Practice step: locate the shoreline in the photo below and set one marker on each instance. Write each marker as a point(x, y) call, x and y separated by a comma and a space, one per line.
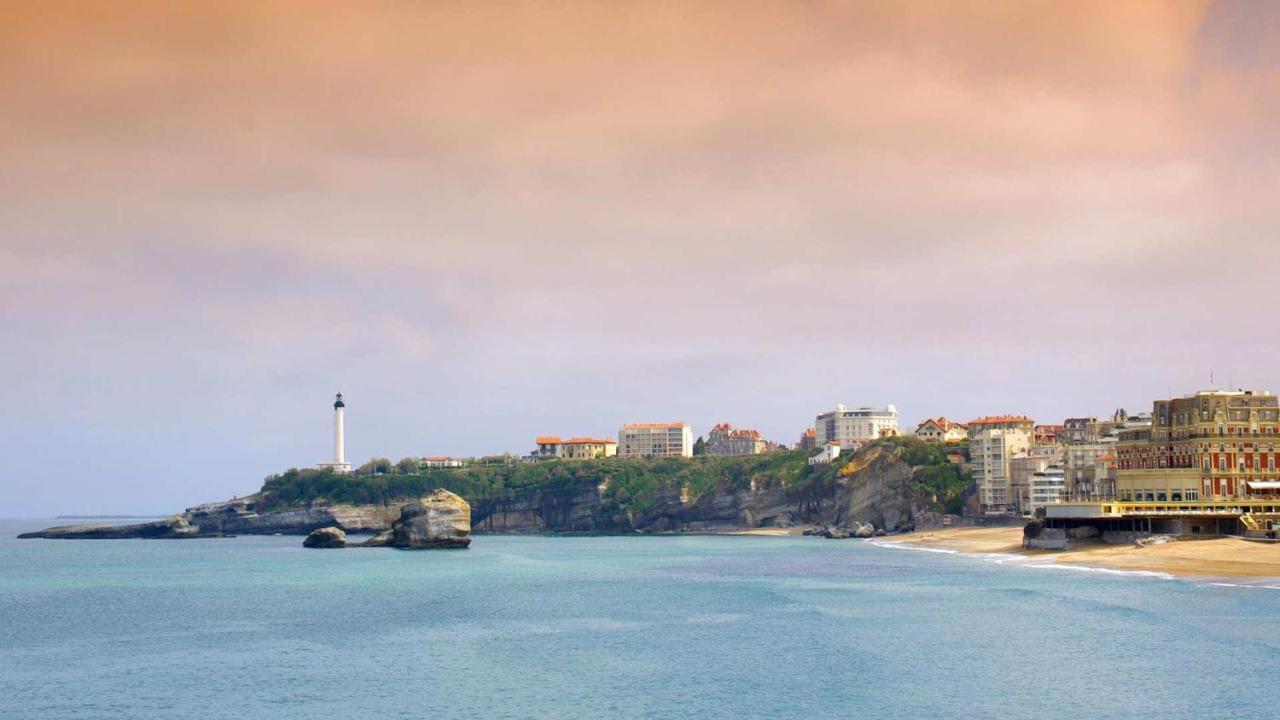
point(1209, 559)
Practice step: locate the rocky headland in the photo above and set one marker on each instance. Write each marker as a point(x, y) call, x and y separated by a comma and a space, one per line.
point(887, 487)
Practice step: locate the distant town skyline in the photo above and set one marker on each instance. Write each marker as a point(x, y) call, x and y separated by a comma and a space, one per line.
point(491, 223)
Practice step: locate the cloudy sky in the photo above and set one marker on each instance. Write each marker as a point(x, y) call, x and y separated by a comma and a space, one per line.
point(487, 221)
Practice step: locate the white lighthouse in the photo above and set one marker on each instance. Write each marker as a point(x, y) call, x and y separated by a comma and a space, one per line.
point(339, 463)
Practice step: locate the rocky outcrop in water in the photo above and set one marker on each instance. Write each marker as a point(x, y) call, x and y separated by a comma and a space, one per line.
point(175, 527)
point(326, 538)
point(440, 520)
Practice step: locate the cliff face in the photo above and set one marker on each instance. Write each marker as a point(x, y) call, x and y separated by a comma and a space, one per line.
point(238, 517)
point(876, 488)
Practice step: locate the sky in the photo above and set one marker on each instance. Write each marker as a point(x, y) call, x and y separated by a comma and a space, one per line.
point(488, 221)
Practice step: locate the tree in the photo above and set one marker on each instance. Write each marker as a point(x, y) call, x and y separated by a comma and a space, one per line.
point(407, 466)
point(699, 447)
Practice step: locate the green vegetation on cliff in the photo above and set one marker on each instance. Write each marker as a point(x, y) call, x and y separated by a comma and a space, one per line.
point(631, 485)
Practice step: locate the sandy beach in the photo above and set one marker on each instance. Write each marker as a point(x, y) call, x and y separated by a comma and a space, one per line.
point(1211, 558)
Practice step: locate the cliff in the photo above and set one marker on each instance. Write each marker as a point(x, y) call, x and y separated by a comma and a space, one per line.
point(894, 484)
point(878, 485)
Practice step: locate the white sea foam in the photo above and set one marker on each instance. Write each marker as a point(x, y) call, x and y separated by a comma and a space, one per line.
point(1029, 562)
point(1253, 586)
point(905, 546)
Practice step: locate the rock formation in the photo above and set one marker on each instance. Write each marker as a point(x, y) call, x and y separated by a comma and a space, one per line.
point(876, 487)
point(440, 520)
point(324, 538)
point(169, 528)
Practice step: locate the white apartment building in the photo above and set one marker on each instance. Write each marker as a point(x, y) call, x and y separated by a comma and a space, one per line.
point(655, 440)
point(1047, 486)
point(993, 443)
point(851, 427)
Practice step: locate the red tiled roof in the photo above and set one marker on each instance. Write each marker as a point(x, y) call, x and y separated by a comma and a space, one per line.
point(943, 423)
point(548, 440)
point(653, 426)
point(590, 441)
point(998, 419)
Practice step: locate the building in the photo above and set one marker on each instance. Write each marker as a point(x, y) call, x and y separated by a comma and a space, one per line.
point(432, 462)
point(1080, 431)
point(1089, 469)
point(830, 451)
point(655, 440)
point(578, 448)
point(1048, 487)
point(585, 448)
point(993, 443)
point(808, 440)
point(1023, 466)
point(851, 427)
point(1121, 420)
point(1214, 445)
point(1047, 434)
point(548, 447)
point(339, 463)
point(942, 430)
point(726, 441)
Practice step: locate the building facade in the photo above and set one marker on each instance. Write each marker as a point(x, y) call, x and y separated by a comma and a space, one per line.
point(655, 440)
point(830, 451)
point(1048, 487)
point(852, 427)
point(1080, 431)
point(1022, 466)
point(1214, 445)
point(440, 461)
point(993, 443)
point(942, 430)
point(1089, 469)
point(1047, 434)
point(808, 440)
point(580, 448)
point(724, 440)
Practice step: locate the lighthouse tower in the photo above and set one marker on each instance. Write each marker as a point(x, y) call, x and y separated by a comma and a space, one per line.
point(339, 463)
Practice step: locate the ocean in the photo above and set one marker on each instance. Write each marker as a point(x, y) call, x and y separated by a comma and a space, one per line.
point(611, 627)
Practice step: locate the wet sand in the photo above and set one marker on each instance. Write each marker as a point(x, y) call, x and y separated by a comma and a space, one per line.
point(1212, 558)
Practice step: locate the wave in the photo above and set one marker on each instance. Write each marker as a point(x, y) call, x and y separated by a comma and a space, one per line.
point(1253, 586)
point(1026, 561)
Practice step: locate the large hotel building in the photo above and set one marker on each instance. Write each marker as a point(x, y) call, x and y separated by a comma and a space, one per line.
point(852, 427)
point(1214, 445)
point(655, 440)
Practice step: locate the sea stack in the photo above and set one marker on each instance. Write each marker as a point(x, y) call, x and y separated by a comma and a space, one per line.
point(440, 520)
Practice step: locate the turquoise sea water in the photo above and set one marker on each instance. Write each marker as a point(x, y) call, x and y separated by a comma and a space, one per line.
point(661, 627)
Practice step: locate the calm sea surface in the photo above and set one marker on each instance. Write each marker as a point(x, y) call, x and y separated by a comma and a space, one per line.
point(661, 627)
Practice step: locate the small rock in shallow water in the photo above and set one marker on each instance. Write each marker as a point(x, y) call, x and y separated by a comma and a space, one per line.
point(328, 537)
